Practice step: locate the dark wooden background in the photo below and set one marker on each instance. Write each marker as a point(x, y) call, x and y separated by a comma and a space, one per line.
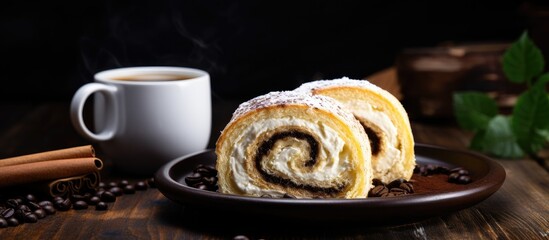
point(50, 48)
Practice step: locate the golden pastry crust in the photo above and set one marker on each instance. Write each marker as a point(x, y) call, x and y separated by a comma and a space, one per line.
point(293, 143)
point(384, 119)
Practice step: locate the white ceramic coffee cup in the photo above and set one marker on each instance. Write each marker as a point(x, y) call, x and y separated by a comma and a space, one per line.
point(142, 123)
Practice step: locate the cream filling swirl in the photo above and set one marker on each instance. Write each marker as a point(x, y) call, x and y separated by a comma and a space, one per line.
point(391, 155)
point(332, 161)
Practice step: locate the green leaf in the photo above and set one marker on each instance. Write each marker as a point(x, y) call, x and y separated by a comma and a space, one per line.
point(531, 114)
point(499, 139)
point(544, 133)
point(541, 82)
point(473, 110)
point(523, 60)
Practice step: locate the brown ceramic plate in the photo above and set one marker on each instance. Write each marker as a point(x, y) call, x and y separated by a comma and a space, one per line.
point(487, 175)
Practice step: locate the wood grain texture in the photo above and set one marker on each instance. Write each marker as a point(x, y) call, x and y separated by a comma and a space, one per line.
point(519, 210)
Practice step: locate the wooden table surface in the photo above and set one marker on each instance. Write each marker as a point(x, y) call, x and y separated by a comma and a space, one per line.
point(518, 210)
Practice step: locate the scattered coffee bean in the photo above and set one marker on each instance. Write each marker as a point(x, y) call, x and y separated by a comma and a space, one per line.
point(94, 200)
point(108, 197)
point(49, 209)
point(129, 189)
point(28, 208)
point(12, 202)
point(141, 186)
point(378, 191)
point(24, 208)
point(116, 191)
point(7, 213)
point(63, 205)
point(203, 177)
point(79, 205)
point(45, 203)
point(30, 198)
point(3, 223)
point(123, 183)
point(458, 175)
point(101, 206)
point(30, 218)
point(12, 221)
point(240, 237)
point(40, 213)
point(377, 182)
point(34, 205)
point(396, 187)
point(112, 184)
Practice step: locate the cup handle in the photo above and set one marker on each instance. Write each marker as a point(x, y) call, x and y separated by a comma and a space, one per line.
point(77, 107)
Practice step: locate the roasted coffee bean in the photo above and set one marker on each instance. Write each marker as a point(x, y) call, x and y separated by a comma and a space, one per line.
point(7, 213)
point(102, 185)
point(464, 179)
point(430, 168)
point(129, 189)
point(196, 175)
point(205, 172)
point(40, 213)
point(55, 199)
point(201, 186)
point(94, 200)
point(49, 209)
point(394, 194)
point(378, 191)
point(99, 193)
point(395, 183)
point(19, 214)
point(108, 197)
point(407, 186)
point(33, 206)
point(443, 170)
point(30, 198)
point(3, 223)
point(116, 191)
point(78, 197)
point(453, 177)
point(123, 183)
point(210, 180)
point(191, 181)
point(397, 190)
point(377, 182)
point(24, 208)
point(12, 221)
point(30, 218)
point(240, 237)
point(45, 203)
point(112, 184)
point(12, 202)
point(141, 185)
point(206, 167)
point(79, 205)
point(64, 205)
point(101, 206)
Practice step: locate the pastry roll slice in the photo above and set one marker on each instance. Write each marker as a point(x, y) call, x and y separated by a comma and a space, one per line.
point(384, 119)
point(293, 143)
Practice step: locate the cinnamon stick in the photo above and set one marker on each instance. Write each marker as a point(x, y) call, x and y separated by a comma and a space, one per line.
point(86, 151)
point(47, 170)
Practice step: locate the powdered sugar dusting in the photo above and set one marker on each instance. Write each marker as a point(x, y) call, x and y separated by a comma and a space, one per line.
point(344, 81)
point(277, 98)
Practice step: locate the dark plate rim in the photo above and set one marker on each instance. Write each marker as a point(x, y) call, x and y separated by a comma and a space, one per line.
point(484, 185)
